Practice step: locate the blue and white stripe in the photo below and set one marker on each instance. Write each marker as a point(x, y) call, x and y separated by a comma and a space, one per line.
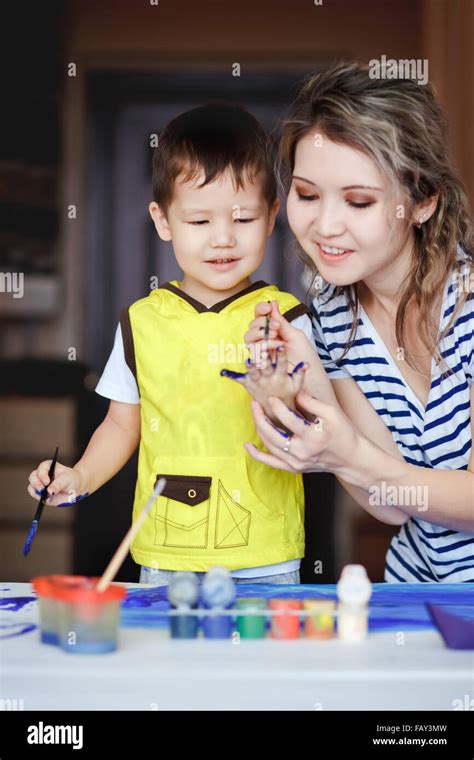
point(438, 436)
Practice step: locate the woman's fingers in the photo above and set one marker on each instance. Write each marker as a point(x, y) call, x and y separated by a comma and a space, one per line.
point(290, 419)
point(315, 407)
point(268, 432)
point(269, 459)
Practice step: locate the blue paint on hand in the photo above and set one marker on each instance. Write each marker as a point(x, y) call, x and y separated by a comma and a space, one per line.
point(297, 368)
point(300, 416)
point(74, 501)
point(230, 373)
point(64, 503)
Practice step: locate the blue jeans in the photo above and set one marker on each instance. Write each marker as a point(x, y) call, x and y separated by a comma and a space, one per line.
point(162, 577)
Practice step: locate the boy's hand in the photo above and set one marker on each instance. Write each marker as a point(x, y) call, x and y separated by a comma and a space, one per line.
point(65, 488)
point(282, 334)
point(272, 379)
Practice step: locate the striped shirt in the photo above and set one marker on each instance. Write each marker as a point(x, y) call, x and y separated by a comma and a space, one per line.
point(438, 436)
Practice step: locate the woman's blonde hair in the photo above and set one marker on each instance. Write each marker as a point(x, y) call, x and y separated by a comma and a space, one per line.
point(401, 127)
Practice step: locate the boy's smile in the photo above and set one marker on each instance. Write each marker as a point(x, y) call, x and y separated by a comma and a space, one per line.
point(219, 233)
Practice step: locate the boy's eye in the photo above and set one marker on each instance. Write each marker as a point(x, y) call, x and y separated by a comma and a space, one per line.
point(205, 221)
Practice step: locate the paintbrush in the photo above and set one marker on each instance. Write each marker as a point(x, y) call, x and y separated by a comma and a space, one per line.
point(271, 354)
point(119, 556)
point(39, 511)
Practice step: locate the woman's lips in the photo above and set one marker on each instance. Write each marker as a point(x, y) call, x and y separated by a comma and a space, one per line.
point(333, 258)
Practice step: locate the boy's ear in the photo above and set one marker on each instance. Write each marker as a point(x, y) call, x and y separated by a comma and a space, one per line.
point(272, 216)
point(160, 221)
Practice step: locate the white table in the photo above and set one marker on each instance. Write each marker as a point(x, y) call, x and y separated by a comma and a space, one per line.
point(149, 671)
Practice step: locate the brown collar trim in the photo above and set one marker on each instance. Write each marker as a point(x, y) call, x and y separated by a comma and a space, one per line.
point(217, 306)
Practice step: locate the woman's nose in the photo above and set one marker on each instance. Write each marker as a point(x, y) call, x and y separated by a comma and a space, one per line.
point(328, 222)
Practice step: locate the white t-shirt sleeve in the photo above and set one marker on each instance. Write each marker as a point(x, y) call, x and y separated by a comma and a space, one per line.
point(303, 323)
point(117, 381)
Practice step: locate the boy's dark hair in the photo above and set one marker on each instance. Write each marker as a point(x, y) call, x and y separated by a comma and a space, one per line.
point(211, 139)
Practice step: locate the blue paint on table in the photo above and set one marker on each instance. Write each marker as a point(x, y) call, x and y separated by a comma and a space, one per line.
point(15, 603)
point(393, 606)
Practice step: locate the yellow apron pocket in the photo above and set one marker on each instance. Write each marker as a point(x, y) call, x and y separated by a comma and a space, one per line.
point(232, 521)
point(182, 512)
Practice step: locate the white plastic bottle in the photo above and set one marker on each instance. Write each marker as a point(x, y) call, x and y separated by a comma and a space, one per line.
point(353, 591)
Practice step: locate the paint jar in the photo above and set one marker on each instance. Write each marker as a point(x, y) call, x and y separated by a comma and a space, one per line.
point(319, 620)
point(46, 586)
point(251, 618)
point(48, 614)
point(183, 593)
point(286, 624)
point(218, 594)
point(354, 591)
point(88, 619)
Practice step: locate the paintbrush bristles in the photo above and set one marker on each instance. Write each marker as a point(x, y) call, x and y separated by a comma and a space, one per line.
point(122, 551)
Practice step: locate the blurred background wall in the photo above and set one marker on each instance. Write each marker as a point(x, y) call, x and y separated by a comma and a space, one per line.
point(85, 83)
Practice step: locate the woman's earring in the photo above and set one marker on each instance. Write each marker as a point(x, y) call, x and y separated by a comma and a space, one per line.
point(419, 223)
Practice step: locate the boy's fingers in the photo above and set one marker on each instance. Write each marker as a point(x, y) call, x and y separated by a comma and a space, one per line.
point(33, 493)
point(267, 368)
point(43, 471)
point(275, 310)
point(298, 378)
point(262, 309)
point(34, 480)
point(61, 483)
point(253, 373)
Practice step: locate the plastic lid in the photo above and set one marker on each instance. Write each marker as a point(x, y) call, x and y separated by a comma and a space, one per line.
point(75, 588)
point(319, 605)
point(251, 601)
point(285, 604)
point(42, 585)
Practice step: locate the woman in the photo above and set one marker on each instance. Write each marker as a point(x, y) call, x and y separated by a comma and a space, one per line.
point(383, 224)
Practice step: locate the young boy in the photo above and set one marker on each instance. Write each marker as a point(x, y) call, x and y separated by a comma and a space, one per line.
point(215, 199)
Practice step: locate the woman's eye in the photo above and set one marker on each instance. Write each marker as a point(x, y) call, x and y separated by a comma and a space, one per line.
point(244, 221)
point(366, 204)
point(302, 197)
point(201, 221)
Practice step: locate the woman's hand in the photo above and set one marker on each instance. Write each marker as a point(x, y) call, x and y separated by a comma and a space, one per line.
point(328, 444)
point(64, 489)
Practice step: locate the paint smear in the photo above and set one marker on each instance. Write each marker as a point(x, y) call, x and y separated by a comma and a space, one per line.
point(393, 607)
point(15, 603)
point(10, 630)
